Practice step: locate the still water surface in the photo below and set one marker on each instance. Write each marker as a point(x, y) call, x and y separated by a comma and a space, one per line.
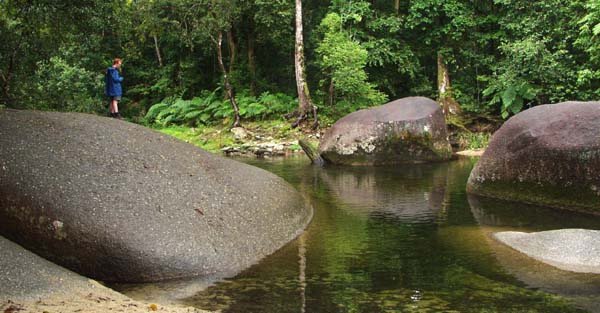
point(396, 239)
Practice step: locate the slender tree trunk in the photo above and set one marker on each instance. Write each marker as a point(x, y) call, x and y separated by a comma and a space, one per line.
point(232, 50)
point(228, 88)
point(397, 6)
point(8, 75)
point(305, 104)
point(158, 57)
point(449, 104)
point(252, 65)
point(331, 92)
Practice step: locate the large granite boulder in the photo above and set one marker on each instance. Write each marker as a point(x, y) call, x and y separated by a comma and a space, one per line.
point(119, 202)
point(408, 130)
point(549, 155)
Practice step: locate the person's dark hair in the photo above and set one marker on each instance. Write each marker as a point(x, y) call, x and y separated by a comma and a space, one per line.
point(117, 60)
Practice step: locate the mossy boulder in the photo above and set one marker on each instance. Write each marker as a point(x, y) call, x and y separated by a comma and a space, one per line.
point(408, 130)
point(547, 155)
point(116, 201)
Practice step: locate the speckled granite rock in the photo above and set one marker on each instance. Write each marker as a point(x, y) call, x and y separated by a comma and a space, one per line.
point(408, 130)
point(576, 250)
point(26, 276)
point(119, 202)
point(29, 283)
point(548, 155)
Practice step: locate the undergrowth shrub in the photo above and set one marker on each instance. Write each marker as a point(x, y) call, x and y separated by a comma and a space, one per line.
point(210, 108)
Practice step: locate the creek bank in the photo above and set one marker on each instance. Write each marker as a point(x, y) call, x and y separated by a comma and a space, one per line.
point(118, 202)
point(471, 153)
point(29, 283)
point(547, 155)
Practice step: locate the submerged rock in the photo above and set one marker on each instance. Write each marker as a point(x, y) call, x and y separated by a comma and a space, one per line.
point(119, 202)
point(494, 216)
point(576, 250)
point(549, 155)
point(408, 130)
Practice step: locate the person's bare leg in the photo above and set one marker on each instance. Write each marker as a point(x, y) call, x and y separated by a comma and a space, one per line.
point(114, 106)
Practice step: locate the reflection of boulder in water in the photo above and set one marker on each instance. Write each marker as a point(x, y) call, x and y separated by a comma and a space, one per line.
point(412, 193)
point(494, 215)
point(500, 213)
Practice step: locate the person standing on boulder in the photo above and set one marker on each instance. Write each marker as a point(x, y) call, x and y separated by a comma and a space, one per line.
point(113, 87)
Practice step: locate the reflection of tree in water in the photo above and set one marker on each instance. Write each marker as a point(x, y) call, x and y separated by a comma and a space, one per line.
point(495, 215)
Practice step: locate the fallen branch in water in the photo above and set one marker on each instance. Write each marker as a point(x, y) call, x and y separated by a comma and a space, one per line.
point(312, 152)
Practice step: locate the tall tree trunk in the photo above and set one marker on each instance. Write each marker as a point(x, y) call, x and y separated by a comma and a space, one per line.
point(331, 92)
point(160, 61)
point(252, 65)
point(228, 88)
point(397, 6)
point(449, 104)
point(8, 75)
point(305, 104)
point(232, 50)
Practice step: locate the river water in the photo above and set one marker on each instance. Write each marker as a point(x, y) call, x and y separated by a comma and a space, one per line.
point(395, 239)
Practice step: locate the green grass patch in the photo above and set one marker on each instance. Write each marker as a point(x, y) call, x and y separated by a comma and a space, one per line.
point(215, 137)
point(472, 141)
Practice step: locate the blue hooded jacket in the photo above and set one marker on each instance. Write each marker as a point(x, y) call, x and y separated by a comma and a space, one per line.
point(113, 83)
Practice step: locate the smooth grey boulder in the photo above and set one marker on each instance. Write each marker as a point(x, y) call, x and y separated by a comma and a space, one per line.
point(26, 276)
point(119, 202)
point(547, 155)
point(30, 283)
point(576, 250)
point(408, 130)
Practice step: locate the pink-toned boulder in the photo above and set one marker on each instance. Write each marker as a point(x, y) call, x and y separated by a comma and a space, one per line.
point(548, 155)
point(408, 130)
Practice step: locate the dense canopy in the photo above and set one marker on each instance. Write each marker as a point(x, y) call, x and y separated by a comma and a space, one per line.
point(495, 57)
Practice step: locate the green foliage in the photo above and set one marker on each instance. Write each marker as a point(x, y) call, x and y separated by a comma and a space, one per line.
point(511, 97)
point(503, 55)
point(344, 60)
point(473, 141)
point(265, 106)
point(209, 108)
point(66, 87)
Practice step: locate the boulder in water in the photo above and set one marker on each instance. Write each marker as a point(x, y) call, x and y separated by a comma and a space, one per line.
point(119, 202)
point(408, 130)
point(576, 250)
point(547, 155)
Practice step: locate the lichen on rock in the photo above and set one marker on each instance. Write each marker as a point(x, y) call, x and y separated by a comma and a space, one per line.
point(408, 130)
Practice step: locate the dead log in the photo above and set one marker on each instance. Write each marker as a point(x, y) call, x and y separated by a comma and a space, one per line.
point(312, 152)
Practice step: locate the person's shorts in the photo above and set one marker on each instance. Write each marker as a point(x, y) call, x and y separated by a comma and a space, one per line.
point(118, 98)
